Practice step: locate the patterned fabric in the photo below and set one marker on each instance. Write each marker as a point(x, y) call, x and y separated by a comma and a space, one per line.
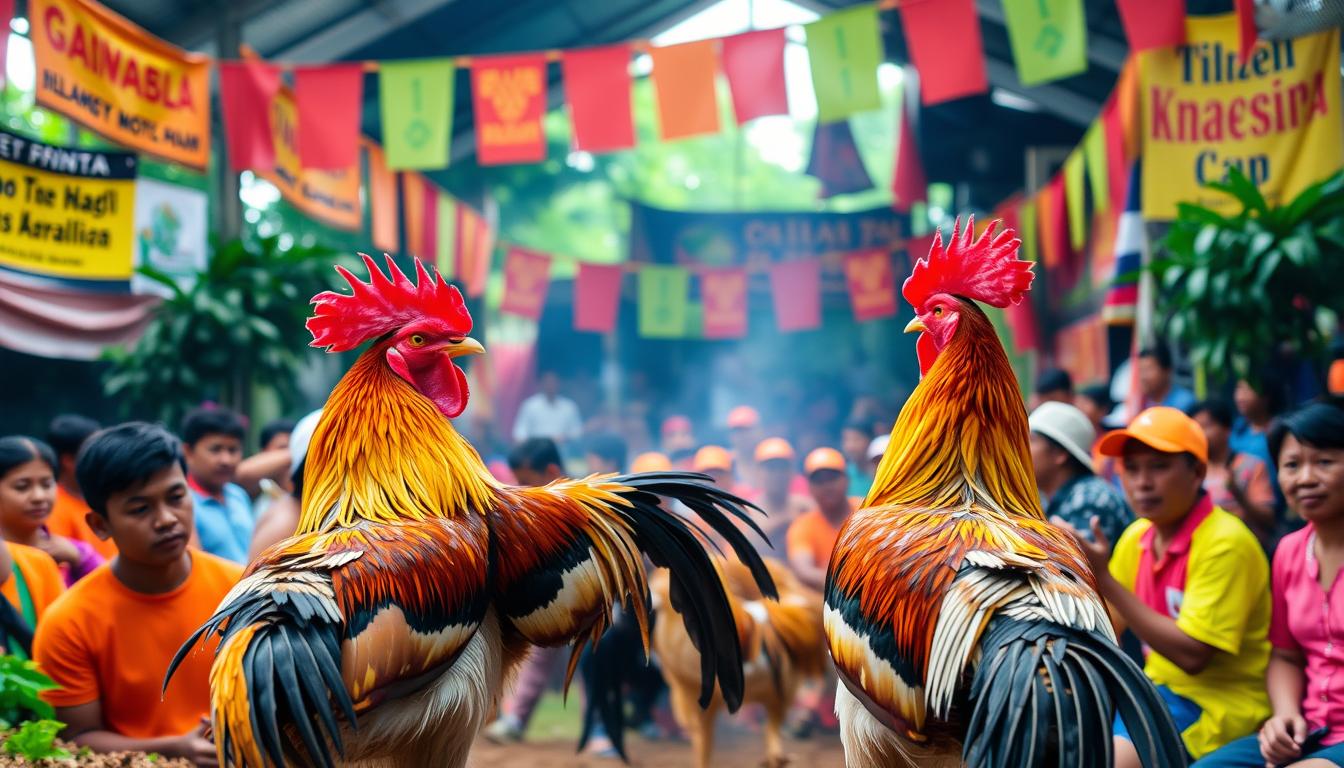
point(1087, 495)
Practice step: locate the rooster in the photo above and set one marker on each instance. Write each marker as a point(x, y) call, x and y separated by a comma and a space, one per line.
point(782, 645)
point(383, 630)
point(965, 628)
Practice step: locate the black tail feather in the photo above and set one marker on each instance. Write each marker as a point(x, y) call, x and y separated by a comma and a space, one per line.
point(1044, 694)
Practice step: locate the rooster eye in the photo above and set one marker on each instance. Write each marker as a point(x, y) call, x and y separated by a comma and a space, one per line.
point(417, 340)
point(937, 311)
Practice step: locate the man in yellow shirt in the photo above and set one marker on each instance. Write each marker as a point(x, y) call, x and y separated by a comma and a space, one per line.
point(1192, 583)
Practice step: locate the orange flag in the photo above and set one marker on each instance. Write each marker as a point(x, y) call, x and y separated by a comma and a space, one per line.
point(413, 209)
point(382, 200)
point(475, 246)
point(683, 76)
point(527, 278)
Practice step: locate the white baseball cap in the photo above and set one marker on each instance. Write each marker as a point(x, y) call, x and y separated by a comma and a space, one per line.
point(1068, 427)
point(299, 439)
point(878, 446)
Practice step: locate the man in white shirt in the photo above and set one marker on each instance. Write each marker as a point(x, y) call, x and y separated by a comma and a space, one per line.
point(548, 414)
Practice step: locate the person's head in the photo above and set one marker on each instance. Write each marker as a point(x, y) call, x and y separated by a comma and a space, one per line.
point(1054, 385)
point(1163, 457)
point(1095, 403)
point(1308, 448)
point(605, 452)
point(27, 484)
point(275, 434)
point(549, 383)
point(213, 444)
point(1215, 417)
point(66, 434)
point(744, 423)
point(1061, 439)
point(1257, 402)
point(775, 457)
point(717, 462)
point(134, 479)
point(827, 481)
point(536, 461)
point(1155, 372)
point(650, 461)
point(876, 450)
point(854, 440)
point(678, 437)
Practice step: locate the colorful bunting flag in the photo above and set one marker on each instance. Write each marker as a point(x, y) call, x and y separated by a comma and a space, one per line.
point(1073, 195)
point(597, 294)
point(836, 161)
point(509, 97)
point(844, 49)
point(246, 89)
point(795, 288)
point(6, 17)
point(1131, 241)
point(1117, 163)
point(597, 87)
point(445, 257)
point(429, 209)
point(1027, 230)
point(683, 77)
point(330, 100)
point(1048, 37)
point(413, 212)
point(1094, 149)
point(872, 284)
point(662, 301)
point(1246, 30)
point(1052, 231)
point(527, 277)
point(475, 249)
point(1021, 317)
point(946, 70)
point(1152, 23)
point(382, 186)
point(754, 65)
point(723, 294)
point(908, 184)
point(416, 99)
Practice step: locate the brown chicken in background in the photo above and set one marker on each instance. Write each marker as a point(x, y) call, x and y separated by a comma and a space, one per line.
point(783, 643)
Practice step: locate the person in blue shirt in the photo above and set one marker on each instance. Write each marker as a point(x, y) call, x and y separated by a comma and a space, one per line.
point(854, 440)
point(1155, 382)
point(212, 440)
point(1257, 405)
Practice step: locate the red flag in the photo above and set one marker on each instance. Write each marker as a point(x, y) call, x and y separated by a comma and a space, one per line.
point(509, 94)
point(908, 184)
point(683, 77)
point(872, 285)
point(1246, 28)
point(597, 294)
point(246, 89)
point(1117, 164)
point(1021, 320)
point(723, 293)
point(6, 16)
point(1053, 231)
point(429, 233)
point(475, 247)
point(330, 101)
point(795, 287)
point(597, 87)
point(1152, 23)
point(944, 41)
point(754, 64)
point(382, 185)
point(527, 277)
point(413, 212)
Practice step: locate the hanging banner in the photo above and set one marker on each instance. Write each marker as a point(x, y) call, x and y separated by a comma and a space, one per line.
point(66, 213)
point(754, 65)
point(597, 87)
point(662, 302)
point(104, 72)
point(597, 297)
point(872, 285)
point(416, 101)
point(723, 295)
point(475, 247)
point(509, 94)
point(527, 277)
point(331, 197)
point(1277, 118)
point(170, 234)
point(795, 291)
point(1048, 37)
point(683, 78)
point(844, 49)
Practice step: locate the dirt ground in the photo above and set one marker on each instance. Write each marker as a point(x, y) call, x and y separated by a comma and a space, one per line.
point(735, 749)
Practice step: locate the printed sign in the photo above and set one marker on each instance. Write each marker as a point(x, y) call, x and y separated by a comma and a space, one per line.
point(331, 197)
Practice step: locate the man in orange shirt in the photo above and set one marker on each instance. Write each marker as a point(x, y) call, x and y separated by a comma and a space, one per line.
point(775, 461)
point(108, 640)
point(812, 536)
point(66, 435)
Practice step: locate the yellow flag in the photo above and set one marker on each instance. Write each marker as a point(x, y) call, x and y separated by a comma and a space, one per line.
point(1073, 195)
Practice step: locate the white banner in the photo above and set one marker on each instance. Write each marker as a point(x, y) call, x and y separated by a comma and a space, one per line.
point(170, 233)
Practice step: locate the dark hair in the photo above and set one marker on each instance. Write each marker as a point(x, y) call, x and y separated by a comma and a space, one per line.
point(1099, 394)
point(609, 447)
point(536, 454)
point(1320, 425)
point(123, 457)
point(211, 421)
point(68, 431)
point(275, 427)
point(1074, 466)
point(1219, 410)
point(864, 427)
point(16, 450)
point(1160, 355)
point(1053, 380)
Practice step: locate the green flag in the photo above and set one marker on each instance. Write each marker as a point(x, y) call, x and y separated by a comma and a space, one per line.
point(1094, 148)
point(845, 49)
point(1049, 38)
point(1073, 195)
point(416, 97)
point(446, 213)
point(662, 302)
point(1026, 222)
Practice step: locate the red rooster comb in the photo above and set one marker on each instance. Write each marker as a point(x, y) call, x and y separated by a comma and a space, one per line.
point(341, 322)
point(985, 269)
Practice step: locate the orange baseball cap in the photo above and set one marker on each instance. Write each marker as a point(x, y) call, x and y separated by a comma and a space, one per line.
point(774, 448)
point(712, 457)
point(651, 462)
point(1161, 428)
point(743, 417)
point(824, 458)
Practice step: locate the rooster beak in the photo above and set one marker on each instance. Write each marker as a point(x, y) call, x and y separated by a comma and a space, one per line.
point(467, 346)
point(916, 326)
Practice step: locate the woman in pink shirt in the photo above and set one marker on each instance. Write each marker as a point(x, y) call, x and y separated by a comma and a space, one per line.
point(1305, 678)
